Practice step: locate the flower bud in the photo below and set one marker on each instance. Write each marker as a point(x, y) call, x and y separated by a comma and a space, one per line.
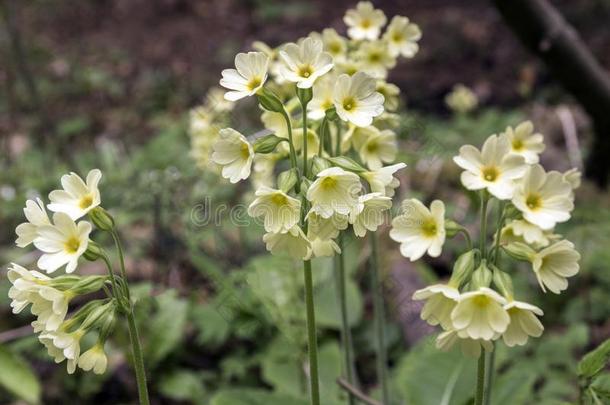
point(304, 95)
point(267, 144)
point(269, 101)
point(286, 180)
point(101, 219)
point(481, 277)
point(462, 269)
point(94, 251)
point(88, 285)
point(65, 282)
point(318, 164)
point(331, 114)
point(108, 324)
point(503, 282)
point(519, 251)
point(452, 228)
point(96, 315)
point(346, 164)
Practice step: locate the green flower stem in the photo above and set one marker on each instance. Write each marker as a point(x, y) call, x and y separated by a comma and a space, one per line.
point(346, 333)
point(322, 131)
point(379, 312)
point(311, 335)
point(136, 348)
point(293, 154)
point(500, 225)
point(464, 232)
point(304, 107)
point(491, 359)
point(478, 399)
point(482, 237)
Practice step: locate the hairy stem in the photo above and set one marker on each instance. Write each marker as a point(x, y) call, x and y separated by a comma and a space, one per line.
point(311, 335)
point(379, 313)
point(478, 399)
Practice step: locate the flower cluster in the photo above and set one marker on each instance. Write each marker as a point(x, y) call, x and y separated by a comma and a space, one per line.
point(478, 306)
point(326, 103)
point(62, 240)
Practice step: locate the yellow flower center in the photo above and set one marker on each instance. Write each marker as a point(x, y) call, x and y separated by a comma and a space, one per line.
point(334, 48)
point(374, 57)
point(326, 104)
point(349, 104)
point(365, 23)
point(490, 173)
point(254, 83)
point(372, 147)
point(429, 228)
point(279, 199)
point(397, 37)
point(86, 201)
point(72, 245)
point(517, 144)
point(480, 301)
point(244, 151)
point(305, 71)
point(329, 182)
point(533, 201)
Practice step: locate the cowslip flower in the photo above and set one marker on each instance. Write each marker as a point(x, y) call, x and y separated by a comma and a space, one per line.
point(523, 323)
point(370, 213)
point(36, 214)
point(324, 248)
point(62, 243)
point(322, 97)
point(379, 148)
point(470, 347)
point(419, 229)
point(545, 199)
point(440, 301)
point(402, 36)
point(69, 344)
point(524, 142)
point(390, 93)
point(520, 230)
point(248, 77)
point(293, 243)
point(480, 314)
point(364, 22)
point(334, 43)
point(383, 180)
point(554, 264)
point(334, 191)
point(25, 286)
point(493, 168)
point(461, 99)
point(280, 211)
point(375, 59)
point(77, 197)
point(304, 63)
point(325, 228)
point(50, 305)
point(94, 359)
point(574, 177)
point(234, 153)
point(356, 99)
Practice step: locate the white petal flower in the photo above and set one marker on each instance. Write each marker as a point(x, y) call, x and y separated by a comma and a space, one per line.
point(37, 216)
point(545, 199)
point(440, 301)
point(402, 36)
point(334, 191)
point(78, 197)
point(364, 22)
point(55, 352)
point(375, 59)
point(25, 286)
point(234, 153)
point(554, 264)
point(370, 213)
point(461, 99)
point(383, 180)
point(280, 211)
point(519, 230)
point(248, 77)
point(470, 347)
point(324, 248)
point(62, 243)
point(381, 147)
point(356, 100)
point(322, 97)
point(293, 243)
point(493, 168)
point(325, 228)
point(390, 93)
point(419, 229)
point(69, 343)
point(94, 359)
point(334, 43)
point(574, 177)
point(480, 314)
point(523, 323)
point(304, 63)
point(524, 142)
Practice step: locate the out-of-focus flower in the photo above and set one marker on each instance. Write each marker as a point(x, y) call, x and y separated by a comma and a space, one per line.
point(470, 347)
point(375, 59)
point(524, 142)
point(293, 243)
point(402, 36)
point(364, 22)
point(379, 148)
point(461, 99)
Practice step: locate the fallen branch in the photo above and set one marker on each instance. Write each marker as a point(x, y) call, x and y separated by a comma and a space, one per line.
point(356, 392)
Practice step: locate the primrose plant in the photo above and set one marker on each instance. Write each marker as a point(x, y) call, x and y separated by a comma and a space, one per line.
point(479, 304)
point(325, 159)
point(62, 240)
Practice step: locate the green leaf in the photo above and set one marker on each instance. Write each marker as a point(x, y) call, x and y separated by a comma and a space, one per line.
point(328, 312)
point(17, 377)
point(254, 397)
point(212, 326)
point(183, 385)
point(594, 361)
point(166, 327)
point(346, 163)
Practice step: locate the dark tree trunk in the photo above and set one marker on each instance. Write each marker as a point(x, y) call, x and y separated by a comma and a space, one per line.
point(545, 32)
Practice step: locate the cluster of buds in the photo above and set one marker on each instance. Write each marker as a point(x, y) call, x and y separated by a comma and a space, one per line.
point(478, 306)
point(62, 240)
point(342, 132)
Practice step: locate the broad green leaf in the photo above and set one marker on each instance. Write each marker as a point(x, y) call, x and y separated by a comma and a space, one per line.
point(183, 385)
point(254, 397)
point(166, 328)
point(17, 377)
point(594, 361)
point(328, 310)
point(212, 326)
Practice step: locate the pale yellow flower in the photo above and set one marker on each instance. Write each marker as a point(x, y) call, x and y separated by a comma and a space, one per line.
point(370, 213)
point(554, 264)
point(248, 77)
point(419, 229)
point(379, 148)
point(334, 43)
point(356, 99)
point(383, 180)
point(334, 191)
point(402, 36)
point(280, 211)
point(364, 22)
point(94, 359)
point(470, 347)
point(524, 142)
point(375, 59)
point(234, 153)
point(523, 323)
point(480, 314)
point(461, 99)
point(440, 301)
point(293, 243)
point(304, 63)
point(36, 214)
point(78, 197)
